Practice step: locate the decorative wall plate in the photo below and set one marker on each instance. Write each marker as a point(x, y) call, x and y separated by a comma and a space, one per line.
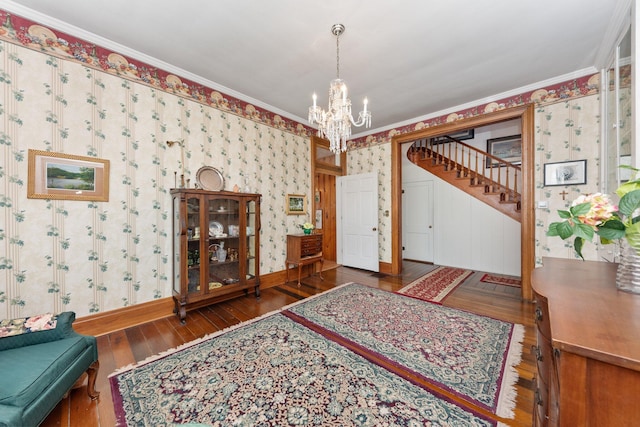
point(209, 178)
point(215, 229)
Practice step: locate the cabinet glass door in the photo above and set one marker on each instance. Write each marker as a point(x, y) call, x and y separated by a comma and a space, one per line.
point(224, 242)
point(251, 230)
point(194, 234)
point(177, 242)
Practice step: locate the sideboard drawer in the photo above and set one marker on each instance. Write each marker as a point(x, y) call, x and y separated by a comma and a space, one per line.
point(544, 357)
point(311, 245)
point(541, 315)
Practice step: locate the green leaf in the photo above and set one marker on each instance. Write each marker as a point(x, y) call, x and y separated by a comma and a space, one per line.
point(584, 231)
point(633, 235)
point(577, 245)
point(611, 230)
point(581, 209)
point(564, 230)
point(628, 187)
point(564, 214)
point(629, 203)
point(553, 229)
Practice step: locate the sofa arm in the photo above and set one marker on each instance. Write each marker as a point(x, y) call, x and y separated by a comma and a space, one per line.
point(62, 330)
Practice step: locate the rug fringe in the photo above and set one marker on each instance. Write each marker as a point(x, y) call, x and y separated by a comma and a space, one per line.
point(508, 393)
point(186, 345)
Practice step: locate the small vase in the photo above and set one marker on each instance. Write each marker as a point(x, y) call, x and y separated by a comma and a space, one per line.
point(628, 275)
point(307, 230)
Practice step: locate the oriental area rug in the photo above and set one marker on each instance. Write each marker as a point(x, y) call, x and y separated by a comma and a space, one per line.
point(284, 369)
point(437, 284)
point(501, 280)
point(447, 350)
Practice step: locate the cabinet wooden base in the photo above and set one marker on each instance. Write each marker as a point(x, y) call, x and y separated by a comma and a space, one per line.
point(181, 306)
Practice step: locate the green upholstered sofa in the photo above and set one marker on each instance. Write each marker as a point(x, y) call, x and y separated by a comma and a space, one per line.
point(37, 369)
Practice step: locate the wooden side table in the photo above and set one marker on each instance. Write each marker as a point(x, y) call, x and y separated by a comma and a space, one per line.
point(304, 249)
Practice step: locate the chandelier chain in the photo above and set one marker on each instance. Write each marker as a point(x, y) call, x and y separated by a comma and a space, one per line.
point(335, 122)
point(338, 56)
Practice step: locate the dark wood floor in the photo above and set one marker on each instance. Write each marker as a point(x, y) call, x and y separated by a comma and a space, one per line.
point(137, 343)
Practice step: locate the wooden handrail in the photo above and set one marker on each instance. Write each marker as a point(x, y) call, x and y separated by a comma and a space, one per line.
point(459, 153)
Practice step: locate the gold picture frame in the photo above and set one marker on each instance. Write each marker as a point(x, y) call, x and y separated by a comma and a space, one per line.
point(60, 176)
point(296, 204)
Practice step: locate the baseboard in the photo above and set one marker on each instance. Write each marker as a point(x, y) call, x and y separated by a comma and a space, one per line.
point(126, 317)
point(385, 267)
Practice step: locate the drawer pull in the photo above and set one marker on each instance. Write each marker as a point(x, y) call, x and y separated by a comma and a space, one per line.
point(537, 352)
point(538, 314)
point(538, 399)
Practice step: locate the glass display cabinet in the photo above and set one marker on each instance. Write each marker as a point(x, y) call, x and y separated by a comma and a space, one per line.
point(216, 246)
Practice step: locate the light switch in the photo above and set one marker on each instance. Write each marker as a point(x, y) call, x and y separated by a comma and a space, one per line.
point(543, 204)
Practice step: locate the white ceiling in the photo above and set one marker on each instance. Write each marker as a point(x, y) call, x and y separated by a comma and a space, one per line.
point(411, 58)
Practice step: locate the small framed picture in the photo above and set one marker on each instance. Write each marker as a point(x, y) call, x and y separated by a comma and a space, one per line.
point(508, 148)
point(63, 176)
point(565, 173)
point(296, 204)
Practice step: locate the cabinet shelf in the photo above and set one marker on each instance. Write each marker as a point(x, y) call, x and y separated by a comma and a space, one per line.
point(200, 284)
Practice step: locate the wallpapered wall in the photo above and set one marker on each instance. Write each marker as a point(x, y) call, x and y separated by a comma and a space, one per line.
point(90, 257)
point(567, 130)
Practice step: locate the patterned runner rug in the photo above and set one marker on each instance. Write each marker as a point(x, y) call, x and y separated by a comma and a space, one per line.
point(469, 356)
point(501, 280)
point(437, 284)
point(275, 372)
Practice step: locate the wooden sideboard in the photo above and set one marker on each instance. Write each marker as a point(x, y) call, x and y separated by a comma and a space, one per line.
point(304, 249)
point(588, 346)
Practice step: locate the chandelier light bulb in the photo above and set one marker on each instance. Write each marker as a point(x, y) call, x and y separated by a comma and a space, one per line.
point(335, 123)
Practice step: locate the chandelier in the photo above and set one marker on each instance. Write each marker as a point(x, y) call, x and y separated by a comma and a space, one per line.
point(335, 123)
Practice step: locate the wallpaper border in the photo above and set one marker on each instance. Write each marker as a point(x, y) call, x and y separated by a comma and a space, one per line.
point(22, 31)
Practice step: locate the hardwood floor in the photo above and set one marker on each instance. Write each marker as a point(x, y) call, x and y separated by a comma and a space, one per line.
point(134, 344)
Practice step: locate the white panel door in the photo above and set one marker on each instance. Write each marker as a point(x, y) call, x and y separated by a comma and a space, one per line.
point(358, 218)
point(417, 221)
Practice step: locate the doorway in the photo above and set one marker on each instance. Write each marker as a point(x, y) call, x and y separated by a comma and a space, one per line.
point(325, 168)
point(527, 225)
point(358, 228)
point(417, 223)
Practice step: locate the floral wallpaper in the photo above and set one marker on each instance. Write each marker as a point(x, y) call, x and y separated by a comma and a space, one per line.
point(58, 255)
point(567, 130)
point(62, 94)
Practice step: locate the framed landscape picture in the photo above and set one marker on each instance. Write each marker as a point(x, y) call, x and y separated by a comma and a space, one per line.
point(296, 204)
point(60, 176)
point(507, 148)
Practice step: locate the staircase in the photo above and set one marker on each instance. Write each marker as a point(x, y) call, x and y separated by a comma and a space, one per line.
point(488, 178)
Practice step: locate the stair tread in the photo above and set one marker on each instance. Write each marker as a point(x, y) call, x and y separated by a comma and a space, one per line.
point(453, 172)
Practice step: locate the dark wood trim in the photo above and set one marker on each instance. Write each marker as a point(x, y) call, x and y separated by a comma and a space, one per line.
point(122, 318)
point(385, 267)
point(527, 233)
point(125, 317)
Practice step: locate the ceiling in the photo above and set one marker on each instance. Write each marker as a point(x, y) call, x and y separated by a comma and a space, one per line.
point(410, 58)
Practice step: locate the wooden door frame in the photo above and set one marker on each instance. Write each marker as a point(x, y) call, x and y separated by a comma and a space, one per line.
point(527, 224)
point(326, 169)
